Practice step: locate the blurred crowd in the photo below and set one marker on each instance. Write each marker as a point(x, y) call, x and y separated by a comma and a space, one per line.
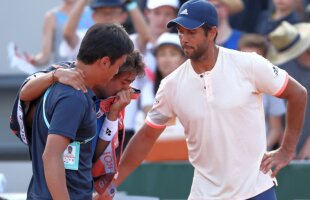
point(278, 30)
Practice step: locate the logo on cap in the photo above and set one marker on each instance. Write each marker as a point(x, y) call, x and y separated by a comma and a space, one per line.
point(184, 12)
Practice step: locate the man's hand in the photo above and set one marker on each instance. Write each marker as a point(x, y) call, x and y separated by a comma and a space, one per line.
point(276, 160)
point(123, 100)
point(107, 195)
point(73, 77)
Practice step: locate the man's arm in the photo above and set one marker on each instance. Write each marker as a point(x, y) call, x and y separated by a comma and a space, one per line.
point(54, 170)
point(296, 96)
point(140, 25)
point(116, 108)
point(39, 82)
point(137, 149)
point(43, 57)
point(72, 23)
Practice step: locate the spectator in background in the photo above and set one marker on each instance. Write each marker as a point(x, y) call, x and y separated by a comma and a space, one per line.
point(53, 26)
point(302, 9)
point(307, 14)
point(284, 10)
point(291, 51)
point(274, 107)
point(157, 13)
point(247, 19)
point(104, 11)
point(227, 37)
point(171, 145)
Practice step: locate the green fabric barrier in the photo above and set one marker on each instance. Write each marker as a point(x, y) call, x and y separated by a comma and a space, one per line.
point(173, 181)
point(164, 180)
point(294, 181)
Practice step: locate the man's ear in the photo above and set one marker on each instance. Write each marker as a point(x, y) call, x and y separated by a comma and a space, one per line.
point(213, 32)
point(105, 61)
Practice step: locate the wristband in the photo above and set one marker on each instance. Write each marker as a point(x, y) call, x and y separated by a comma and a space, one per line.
point(53, 75)
point(108, 130)
point(132, 5)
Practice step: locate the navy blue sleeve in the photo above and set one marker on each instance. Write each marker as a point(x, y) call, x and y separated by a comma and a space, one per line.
point(67, 115)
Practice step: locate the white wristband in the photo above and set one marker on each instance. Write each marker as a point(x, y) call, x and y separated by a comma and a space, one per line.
point(108, 130)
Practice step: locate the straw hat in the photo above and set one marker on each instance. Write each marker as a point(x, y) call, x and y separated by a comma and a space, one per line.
point(288, 42)
point(234, 6)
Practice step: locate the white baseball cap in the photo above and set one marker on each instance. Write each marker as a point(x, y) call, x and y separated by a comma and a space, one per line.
point(167, 39)
point(152, 4)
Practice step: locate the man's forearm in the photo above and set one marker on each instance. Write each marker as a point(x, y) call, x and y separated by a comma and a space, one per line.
point(72, 23)
point(135, 152)
point(141, 27)
point(54, 172)
point(36, 86)
point(296, 106)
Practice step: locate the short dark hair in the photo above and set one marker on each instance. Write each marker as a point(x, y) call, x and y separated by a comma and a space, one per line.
point(206, 28)
point(134, 63)
point(106, 39)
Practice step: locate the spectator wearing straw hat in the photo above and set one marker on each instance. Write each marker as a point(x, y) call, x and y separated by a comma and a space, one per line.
point(291, 51)
point(247, 19)
point(227, 36)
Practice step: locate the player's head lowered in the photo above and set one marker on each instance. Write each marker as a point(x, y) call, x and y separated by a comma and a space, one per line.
point(104, 40)
point(132, 68)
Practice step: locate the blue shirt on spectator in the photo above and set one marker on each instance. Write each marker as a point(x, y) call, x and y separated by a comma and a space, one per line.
point(266, 24)
point(232, 41)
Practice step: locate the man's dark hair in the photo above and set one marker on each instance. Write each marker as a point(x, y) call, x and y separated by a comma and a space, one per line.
point(206, 29)
point(101, 40)
point(134, 63)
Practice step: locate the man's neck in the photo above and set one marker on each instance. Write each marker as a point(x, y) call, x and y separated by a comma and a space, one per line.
point(86, 70)
point(207, 61)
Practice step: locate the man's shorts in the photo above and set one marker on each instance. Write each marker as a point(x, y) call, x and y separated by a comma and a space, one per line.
point(269, 194)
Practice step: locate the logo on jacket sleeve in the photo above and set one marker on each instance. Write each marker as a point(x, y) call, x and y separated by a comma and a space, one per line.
point(275, 70)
